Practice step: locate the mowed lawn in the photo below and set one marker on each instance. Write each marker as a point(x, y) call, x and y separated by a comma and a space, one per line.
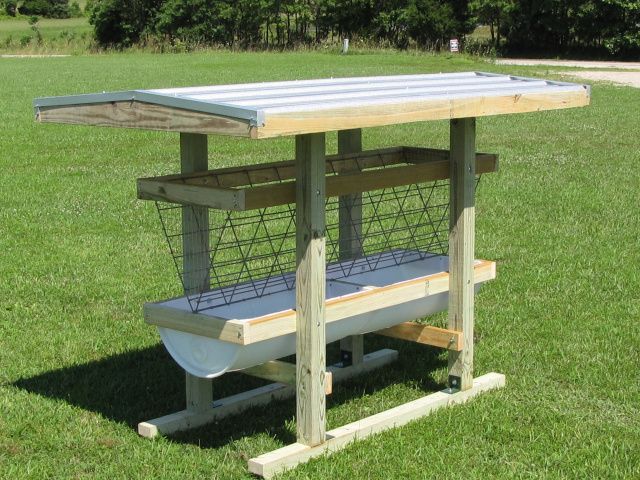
point(79, 255)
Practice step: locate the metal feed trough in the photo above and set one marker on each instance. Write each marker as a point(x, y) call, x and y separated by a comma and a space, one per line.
point(284, 257)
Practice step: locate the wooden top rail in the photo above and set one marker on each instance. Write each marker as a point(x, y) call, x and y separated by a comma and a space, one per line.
point(271, 184)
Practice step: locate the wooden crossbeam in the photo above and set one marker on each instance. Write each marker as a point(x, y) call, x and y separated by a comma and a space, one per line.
point(274, 371)
point(230, 189)
point(283, 372)
point(228, 406)
point(425, 334)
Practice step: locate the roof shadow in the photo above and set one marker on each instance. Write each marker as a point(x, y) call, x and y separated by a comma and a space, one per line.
point(144, 384)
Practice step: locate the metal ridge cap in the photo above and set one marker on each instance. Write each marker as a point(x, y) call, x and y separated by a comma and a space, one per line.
point(254, 116)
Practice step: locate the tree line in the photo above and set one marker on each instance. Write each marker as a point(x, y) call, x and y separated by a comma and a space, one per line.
point(280, 23)
point(544, 27)
point(41, 8)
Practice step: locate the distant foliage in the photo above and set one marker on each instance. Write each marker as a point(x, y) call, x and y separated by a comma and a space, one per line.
point(46, 8)
point(121, 23)
point(592, 26)
point(516, 26)
point(10, 7)
point(75, 10)
point(280, 23)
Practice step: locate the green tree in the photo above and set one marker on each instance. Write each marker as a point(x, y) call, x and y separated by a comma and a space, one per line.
point(46, 8)
point(121, 23)
point(11, 7)
point(491, 13)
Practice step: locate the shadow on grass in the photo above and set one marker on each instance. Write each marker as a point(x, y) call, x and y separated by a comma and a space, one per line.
point(145, 384)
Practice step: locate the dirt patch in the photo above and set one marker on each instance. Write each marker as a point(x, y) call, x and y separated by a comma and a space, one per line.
point(622, 78)
point(33, 56)
point(570, 63)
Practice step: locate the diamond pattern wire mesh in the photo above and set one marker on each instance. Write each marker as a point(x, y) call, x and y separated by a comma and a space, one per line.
point(253, 253)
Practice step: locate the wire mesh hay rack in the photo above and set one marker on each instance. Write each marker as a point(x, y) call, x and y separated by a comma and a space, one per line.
point(383, 208)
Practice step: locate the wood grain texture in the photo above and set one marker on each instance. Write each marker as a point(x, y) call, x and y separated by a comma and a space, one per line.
point(195, 249)
point(221, 198)
point(337, 309)
point(310, 289)
point(425, 335)
point(277, 461)
point(259, 173)
point(283, 323)
point(461, 246)
point(422, 167)
point(232, 331)
point(274, 371)
point(325, 120)
point(350, 232)
point(144, 116)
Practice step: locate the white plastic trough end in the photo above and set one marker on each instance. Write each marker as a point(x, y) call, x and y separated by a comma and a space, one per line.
point(364, 301)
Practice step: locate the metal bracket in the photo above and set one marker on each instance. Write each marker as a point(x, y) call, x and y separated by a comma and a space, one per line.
point(346, 357)
point(454, 384)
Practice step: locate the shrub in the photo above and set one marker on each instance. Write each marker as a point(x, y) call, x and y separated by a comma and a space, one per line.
point(121, 22)
point(11, 7)
point(46, 8)
point(25, 40)
point(75, 10)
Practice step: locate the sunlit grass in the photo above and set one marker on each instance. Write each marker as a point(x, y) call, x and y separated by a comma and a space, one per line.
point(79, 255)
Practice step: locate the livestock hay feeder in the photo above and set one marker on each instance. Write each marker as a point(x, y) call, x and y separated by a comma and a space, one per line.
point(285, 257)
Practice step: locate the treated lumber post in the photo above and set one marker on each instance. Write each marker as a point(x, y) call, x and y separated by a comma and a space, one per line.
point(350, 237)
point(310, 289)
point(461, 248)
point(195, 249)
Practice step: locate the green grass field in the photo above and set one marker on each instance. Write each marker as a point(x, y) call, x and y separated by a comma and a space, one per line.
point(79, 255)
point(59, 35)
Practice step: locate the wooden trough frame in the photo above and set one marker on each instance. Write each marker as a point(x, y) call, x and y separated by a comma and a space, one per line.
point(307, 109)
point(271, 184)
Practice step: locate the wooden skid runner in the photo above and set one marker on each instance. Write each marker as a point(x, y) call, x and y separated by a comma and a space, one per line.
point(272, 184)
point(271, 463)
point(187, 419)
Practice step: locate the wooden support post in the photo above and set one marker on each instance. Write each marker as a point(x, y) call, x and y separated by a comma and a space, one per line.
point(195, 226)
point(461, 248)
point(310, 288)
point(350, 237)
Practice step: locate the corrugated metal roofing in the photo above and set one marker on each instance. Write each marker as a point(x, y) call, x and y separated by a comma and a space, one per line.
point(255, 102)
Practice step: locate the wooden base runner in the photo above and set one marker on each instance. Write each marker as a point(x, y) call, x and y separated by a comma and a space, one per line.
point(284, 458)
point(235, 404)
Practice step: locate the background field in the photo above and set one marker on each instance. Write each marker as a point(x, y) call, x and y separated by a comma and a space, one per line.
point(79, 255)
point(59, 35)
